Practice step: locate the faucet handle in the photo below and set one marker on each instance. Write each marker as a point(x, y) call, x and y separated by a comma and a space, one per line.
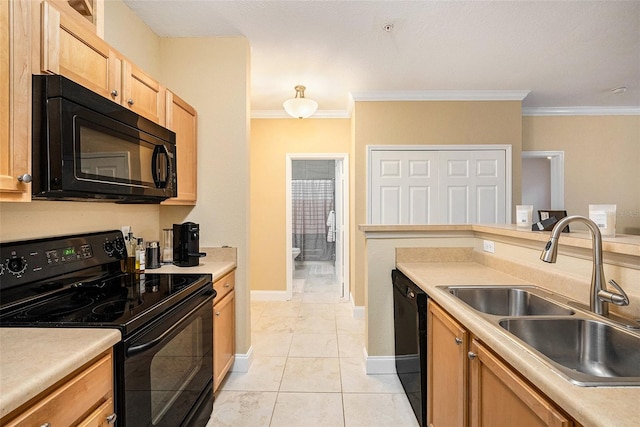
point(612, 297)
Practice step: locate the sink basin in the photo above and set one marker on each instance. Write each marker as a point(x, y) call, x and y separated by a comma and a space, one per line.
point(508, 301)
point(587, 351)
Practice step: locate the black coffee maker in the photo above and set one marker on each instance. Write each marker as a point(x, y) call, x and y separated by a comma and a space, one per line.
point(186, 244)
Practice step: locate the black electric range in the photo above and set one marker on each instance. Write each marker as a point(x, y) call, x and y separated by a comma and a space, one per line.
point(76, 281)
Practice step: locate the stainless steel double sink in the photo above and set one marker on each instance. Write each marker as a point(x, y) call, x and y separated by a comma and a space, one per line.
point(585, 348)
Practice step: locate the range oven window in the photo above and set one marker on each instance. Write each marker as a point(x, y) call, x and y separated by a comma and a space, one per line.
point(173, 368)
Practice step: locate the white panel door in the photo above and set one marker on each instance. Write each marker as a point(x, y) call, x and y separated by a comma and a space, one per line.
point(404, 187)
point(472, 186)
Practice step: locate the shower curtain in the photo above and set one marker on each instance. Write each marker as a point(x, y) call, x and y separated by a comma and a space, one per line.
point(311, 201)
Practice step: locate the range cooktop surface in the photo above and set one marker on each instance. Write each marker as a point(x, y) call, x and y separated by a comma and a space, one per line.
point(110, 301)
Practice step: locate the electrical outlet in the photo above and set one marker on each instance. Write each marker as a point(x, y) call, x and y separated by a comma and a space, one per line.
point(488, 246)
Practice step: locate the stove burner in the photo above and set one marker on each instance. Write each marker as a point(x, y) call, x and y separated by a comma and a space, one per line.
point(59, 309)
point(111, 309)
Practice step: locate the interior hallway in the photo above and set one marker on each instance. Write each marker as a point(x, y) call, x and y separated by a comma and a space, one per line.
point(308, 367)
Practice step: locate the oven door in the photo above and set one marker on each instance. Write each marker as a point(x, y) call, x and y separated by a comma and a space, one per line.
point(168, 367)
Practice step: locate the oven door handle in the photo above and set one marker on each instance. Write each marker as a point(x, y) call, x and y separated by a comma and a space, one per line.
point(135, 349)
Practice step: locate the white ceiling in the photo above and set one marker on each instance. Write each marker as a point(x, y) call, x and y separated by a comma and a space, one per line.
point(566, 53)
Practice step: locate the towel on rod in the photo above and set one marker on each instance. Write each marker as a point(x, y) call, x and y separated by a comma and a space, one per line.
point(331, 226)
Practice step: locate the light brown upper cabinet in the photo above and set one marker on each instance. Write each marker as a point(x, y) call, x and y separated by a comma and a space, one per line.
point(142, 94)
point(15, 101)
point(183, 120)
point(71, 49)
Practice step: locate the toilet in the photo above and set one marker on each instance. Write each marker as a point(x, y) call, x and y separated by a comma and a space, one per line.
point(294, 253)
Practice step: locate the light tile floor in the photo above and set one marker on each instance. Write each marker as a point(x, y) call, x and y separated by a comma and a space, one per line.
point(308, 368)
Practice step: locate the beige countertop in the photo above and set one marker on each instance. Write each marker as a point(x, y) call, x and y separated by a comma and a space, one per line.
point(591, 406)
point(34, 359)
point(218, 262)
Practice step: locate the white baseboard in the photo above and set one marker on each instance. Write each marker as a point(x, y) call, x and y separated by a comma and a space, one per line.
point(269, 296)
point(358, 310)
point(242, 362)
point(378, 365)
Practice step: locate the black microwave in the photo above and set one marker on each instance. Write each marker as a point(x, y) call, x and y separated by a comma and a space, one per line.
point(87, 147)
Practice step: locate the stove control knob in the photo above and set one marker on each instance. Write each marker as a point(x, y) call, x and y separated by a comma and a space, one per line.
point(17, 266)
point(108, 248)
point(119, 246)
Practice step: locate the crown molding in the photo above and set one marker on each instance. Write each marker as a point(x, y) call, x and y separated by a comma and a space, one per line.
point(281, 114)
point(581, 111)
point(442, 95)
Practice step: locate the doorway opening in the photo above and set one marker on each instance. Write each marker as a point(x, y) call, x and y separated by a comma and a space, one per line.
point(543, 180)
point(317, 204)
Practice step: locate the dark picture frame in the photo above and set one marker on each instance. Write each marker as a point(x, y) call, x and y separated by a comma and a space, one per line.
point(557, 214)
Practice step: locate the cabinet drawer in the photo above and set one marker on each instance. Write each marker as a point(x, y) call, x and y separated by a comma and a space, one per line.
point(74, 400)
point(224, 285)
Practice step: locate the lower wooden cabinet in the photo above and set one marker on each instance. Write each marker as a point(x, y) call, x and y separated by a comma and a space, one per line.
point(85, 398)
point(499, 397)
point(468, 385)
point(224, 328)
point(447, 347)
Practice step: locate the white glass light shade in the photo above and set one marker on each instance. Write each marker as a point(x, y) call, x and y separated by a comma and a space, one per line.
point(300, 108)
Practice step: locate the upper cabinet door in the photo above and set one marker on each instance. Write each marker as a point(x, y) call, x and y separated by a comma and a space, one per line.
point(183, 120)
point(143, 94)
point(15, 101)
point(70, 49)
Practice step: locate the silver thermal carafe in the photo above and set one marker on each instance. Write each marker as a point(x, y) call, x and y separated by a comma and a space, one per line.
point(186, 244)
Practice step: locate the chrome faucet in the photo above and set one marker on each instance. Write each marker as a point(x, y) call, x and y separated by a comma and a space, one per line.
point(599, 295)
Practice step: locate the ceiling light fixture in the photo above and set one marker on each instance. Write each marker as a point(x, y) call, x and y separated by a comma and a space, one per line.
point(299, 106)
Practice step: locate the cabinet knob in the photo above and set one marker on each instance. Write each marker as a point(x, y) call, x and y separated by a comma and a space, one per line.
point(130, 101)
point(458, 341)
point(111, 419)
point(472, 355)
point(25, 177)
point(114, 93)
point(226, 285)
point(46, 425)
point(217, 313)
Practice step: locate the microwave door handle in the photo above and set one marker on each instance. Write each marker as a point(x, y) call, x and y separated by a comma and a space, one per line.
point(160, 179)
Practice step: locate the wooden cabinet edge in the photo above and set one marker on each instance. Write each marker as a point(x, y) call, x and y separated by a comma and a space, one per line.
point(17, 59)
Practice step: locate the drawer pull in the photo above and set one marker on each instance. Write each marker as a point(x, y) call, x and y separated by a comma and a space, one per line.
point(46, 425)
point(226, 285)
point(111, 419)
point(458, 341)
point(114, 93)
point(472, 355)
point(130, 101)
